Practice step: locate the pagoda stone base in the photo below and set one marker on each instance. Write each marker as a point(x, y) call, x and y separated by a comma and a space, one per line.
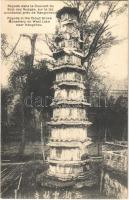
point(75, 176)
point(85, 179)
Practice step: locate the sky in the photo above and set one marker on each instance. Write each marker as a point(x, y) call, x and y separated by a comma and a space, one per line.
point(114, 63)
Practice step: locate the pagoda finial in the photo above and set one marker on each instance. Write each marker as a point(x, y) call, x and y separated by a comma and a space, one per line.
point(69, 10)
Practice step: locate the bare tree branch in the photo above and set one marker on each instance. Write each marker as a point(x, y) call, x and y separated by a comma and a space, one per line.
point(13, 49)
point(88, 9)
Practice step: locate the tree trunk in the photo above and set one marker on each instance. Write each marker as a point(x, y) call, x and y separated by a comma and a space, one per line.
point(42, 142)
point(22, 144)
point(33, 41)
point(88, 92)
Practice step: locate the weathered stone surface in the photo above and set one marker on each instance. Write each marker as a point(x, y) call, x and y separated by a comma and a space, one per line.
point(113, 188)
point(68, 140)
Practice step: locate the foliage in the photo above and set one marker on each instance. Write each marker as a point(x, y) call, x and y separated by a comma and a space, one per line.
point(4, 44)
point(6, 98)
point(110, 122)
point(25, 80)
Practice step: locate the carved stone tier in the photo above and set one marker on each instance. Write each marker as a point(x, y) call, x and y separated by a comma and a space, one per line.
point(69, 76)
point(68, 56)
point(69, 133)
point(69, 94)
point(69, 114)
point(69, 43)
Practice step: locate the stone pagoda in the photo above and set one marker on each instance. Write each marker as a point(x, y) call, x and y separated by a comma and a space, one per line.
point(68, 140)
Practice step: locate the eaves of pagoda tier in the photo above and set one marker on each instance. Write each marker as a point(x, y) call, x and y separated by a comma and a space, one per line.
point(69, 163)
point(63, 177)
point(76, 163)
point(66, 51)
point(69, 103)
point(69, 118)
point(62, 81)
point(69, 142)
point(69, 123)
point(71, 84)
point(68, 66)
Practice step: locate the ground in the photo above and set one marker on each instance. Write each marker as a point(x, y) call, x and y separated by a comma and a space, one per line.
point(19, 176)
point(28, 188)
